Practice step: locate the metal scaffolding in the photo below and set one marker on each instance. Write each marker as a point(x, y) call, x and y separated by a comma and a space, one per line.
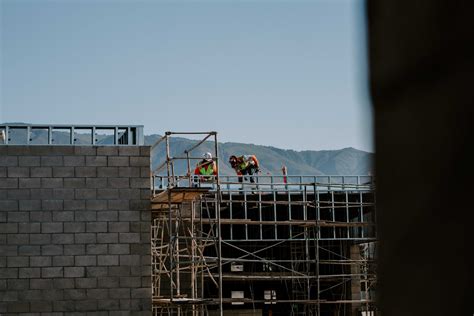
point(286, 245)
point(179, 240)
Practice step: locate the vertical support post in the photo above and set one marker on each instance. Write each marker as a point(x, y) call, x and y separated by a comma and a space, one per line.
point(72, 135)
point(93, 135)
point(231, 216)
point(7, 134)
point(28, 134)
point(140, 137)
point(333, 211)
point(374, 202)
point(356, 277)
point(362, 214)
point(245, 216)
point(173, 175)
point(318, 206)
point(188, 163)
point(290, 227)
point(218, 211)
point(347, 215)
point(50, 135)
point(305, 207)
point(193, 258)
point(275, 213)
point(177, 227)
point(153, 178)
point(318, 230)
point(306, 239)
point(201, 250)
point(170, 223)
point(260, 213)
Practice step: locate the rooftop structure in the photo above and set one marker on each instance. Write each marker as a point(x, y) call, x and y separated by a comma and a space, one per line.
point(77, 135)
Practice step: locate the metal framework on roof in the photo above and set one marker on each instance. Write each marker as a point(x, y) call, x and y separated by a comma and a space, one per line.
point(76, 135)
point(287, 245)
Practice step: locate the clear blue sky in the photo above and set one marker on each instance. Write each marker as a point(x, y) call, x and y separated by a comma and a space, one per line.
point(290, 74)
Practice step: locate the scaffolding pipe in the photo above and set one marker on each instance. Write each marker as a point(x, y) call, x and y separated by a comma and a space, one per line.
point(201, 142)
point(158, 142)
point(170, 223)
point(218, 211)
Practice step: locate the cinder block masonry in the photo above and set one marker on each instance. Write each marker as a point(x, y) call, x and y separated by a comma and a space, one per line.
point(75, 230)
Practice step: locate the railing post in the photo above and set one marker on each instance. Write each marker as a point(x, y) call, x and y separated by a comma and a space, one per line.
point(50, 135)
point(93, 136)
point(219, 240)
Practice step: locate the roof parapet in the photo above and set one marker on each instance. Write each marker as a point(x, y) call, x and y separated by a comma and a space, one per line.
point(73, 135)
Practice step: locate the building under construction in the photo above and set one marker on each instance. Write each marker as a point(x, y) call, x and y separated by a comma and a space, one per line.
point(76, 203)
point(301, 245)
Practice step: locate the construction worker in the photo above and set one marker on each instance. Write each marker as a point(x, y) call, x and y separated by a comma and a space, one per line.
point(206, 169)
point(245, 165)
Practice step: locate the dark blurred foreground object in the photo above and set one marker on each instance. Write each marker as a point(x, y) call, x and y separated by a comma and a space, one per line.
point(421, 65)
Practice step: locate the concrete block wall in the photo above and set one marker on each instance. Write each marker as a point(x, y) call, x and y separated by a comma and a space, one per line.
point(75, 230)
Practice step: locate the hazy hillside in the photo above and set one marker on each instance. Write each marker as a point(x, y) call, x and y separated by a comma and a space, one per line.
point(347, 161)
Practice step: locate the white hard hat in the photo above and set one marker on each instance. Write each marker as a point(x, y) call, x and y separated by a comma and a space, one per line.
point(207, 155)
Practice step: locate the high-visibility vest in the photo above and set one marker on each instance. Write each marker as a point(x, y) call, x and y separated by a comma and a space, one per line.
point(243, 165)
point(207, 171)
point(246, 159)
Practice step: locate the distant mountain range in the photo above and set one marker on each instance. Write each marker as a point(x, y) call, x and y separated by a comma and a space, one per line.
point(347, 161)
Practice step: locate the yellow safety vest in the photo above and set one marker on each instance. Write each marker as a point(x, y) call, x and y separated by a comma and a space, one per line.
point(209, 171)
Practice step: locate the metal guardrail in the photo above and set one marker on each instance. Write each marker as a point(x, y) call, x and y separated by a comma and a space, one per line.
point(271, 209)
point(78, 135)
point(270, 183)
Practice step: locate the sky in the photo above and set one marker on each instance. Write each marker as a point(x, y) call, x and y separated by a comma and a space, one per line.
point(288, 74)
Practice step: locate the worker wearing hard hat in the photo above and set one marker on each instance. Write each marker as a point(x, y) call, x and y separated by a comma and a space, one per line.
point(206, 169)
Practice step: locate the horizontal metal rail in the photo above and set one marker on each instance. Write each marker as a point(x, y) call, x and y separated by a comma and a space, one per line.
point(269, 183)
point(200, 142)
